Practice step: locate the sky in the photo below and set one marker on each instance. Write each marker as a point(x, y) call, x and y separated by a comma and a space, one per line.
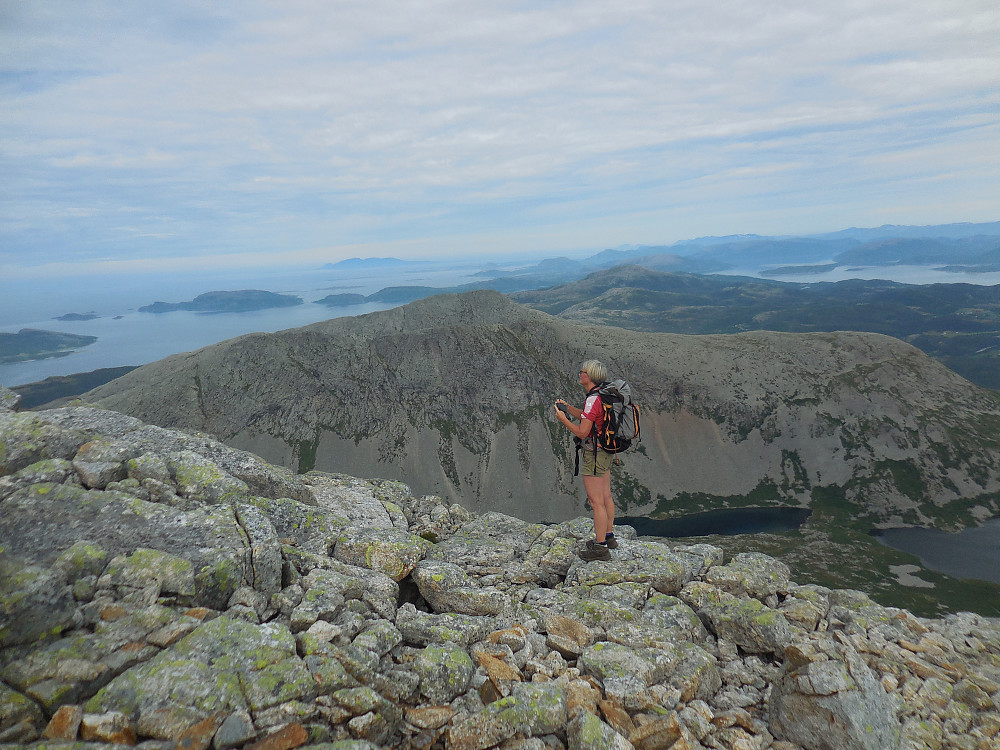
point(190, 135)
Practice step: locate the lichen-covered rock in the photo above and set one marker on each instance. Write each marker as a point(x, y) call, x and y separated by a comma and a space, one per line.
point(195, 602)
point(423, 629)
point(26, 438)
point(748, 623)
point(310, 528)
point(587, 732)
point(606, 660)
point(21, 720)
point(828, 699)
point(329, 587)
point(150, 567)
point(357, 499)
point(46, 471)
point(386, 550)
point(857, 610)
point(34, 601)
point(224, 666)
point(447, 588)
point(750, 574)
point(131, 438)
point(445, 672)
point(532, 709)
point(9, 400)
point(264, 547)
point(603, 614)
point(648, 563)
point(41, 520)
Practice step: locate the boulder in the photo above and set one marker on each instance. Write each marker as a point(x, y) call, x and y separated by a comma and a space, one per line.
point(828, 699)
point(223, 666)
point(9, 401)
point(748, 623)
point(448, 588)
point(386, 550)
point(750, 574)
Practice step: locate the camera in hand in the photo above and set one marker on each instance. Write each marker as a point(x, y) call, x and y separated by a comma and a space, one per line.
point(563, 409)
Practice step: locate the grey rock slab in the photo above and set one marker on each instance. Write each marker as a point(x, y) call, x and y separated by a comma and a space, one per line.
point(592, 613)
point(750, 574)
point(445, 672)
point(447, 588)
point(25, 438)
point(473, 553)
point(831, 700)
point(310, 528)
point(40, 522)
point(516, 534)
point(225, 665)
point(236, 730)
point(423, 628)
point(265, 549)
point(345, 496)
point(647, 562)
point(385, 550)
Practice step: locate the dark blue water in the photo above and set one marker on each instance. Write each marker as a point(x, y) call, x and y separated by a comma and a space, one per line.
point(971, 553)
point(727, 521)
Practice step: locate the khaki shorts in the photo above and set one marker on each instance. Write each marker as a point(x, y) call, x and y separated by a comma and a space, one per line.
point(603, 462)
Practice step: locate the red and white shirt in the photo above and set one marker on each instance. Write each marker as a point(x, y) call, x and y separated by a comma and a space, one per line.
point(593, 410)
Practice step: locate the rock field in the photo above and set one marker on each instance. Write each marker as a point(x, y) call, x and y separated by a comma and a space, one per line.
point(160, 589)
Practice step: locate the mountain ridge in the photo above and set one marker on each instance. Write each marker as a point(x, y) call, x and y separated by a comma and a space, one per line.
point(454, 392)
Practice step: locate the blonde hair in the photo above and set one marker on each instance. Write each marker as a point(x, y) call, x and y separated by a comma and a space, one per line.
point(595, 370)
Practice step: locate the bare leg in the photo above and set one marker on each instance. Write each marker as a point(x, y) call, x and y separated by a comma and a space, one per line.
point(599, 495)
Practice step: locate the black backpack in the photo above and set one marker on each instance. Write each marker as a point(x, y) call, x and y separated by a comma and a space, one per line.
point(621, 417)
point(620, 426)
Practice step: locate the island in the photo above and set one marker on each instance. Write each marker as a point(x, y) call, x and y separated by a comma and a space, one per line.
point(342, 300)
point(246, 300)
point(77, 316)
point(35, 343)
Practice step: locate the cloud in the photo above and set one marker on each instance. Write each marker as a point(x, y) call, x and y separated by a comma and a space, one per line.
point(276, 127)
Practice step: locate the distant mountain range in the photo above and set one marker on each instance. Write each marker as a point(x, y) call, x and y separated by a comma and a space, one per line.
point(958, 324)
point(968, 248)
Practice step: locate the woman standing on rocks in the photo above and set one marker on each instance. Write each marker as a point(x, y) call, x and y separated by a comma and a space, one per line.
point(596, 461)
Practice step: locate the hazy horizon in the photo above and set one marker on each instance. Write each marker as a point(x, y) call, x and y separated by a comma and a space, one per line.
point(144, 137)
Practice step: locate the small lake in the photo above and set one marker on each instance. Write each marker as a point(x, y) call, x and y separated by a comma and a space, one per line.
point(725, 521)
point(971, 553)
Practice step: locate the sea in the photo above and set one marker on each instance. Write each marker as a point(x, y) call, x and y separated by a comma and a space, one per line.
point(127, 337)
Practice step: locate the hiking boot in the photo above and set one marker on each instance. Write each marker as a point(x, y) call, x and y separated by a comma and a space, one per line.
point(611, 541)
point(595, 551)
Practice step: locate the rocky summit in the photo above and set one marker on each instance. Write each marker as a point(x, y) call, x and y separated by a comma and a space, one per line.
point(160, 589)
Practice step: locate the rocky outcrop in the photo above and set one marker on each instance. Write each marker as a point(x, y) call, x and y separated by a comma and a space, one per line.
point(453, 395)
point(160, 589)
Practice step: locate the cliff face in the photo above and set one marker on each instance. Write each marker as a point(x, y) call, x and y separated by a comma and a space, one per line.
point(454, 394)
point(160, 587)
